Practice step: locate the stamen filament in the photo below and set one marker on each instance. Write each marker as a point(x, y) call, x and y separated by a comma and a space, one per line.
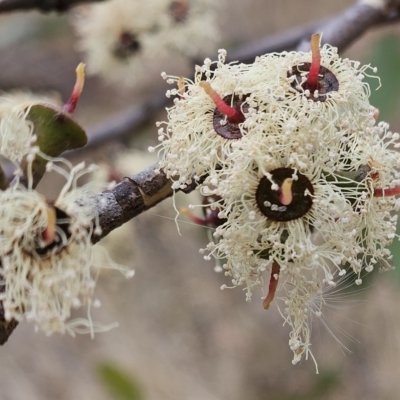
point(312, 79)
point(70, 106)
point(286, 195)
point(387, 192)
point(232, 113)
point(273, 284)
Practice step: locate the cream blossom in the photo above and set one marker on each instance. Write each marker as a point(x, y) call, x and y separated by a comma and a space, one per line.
point(312, 219)
point(48, 263)
point(274, 106)
point(126, 41)
point(199, 135)
point(302, 176)
point(337, 94)
point(117, 38)
point(189, 27)
point(335, 204)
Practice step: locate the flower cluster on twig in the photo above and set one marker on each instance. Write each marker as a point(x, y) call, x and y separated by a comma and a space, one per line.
point(293, 157)
point(48, 264)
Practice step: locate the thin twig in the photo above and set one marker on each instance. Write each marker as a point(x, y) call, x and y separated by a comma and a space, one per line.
point(341, 31)
point(122, 125)
point(41, 5)
point(132, 196)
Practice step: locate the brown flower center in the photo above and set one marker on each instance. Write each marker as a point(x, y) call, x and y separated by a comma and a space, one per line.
point(327, 81)
point(59, 241)
point(289, 197)
point(127, 45)
point(228, 127)
point(179, 10)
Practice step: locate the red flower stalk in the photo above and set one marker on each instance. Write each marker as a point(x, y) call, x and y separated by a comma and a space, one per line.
point(312, 79)
point(387, 192)
point(273, 284)
point(70, 106)
point(233, 114)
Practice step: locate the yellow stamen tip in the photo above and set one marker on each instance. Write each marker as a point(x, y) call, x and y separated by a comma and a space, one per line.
point(207, 88)
point(181, 85)
point(49, 233)
point(316, 42)
point(286, 192)
point(80, 75)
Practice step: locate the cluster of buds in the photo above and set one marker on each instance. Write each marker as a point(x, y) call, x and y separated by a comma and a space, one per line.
point(302, 175)
point(122, 38)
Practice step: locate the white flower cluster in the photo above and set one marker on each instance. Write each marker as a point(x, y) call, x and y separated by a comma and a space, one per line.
point(122, 39)
point(293, 159)
point(48, 264)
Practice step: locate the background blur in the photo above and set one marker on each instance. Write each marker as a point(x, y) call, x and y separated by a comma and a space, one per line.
point(181, 337)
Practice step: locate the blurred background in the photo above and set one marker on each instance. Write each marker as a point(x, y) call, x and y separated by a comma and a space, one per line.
point(180, 337)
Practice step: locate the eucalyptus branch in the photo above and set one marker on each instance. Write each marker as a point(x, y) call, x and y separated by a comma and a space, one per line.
point(132, 196)
point(121, 126)
point(41, 5)
point(341, 31)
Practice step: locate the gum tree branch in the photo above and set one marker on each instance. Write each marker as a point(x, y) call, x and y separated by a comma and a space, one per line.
point(122, 125)
point(341, 31)
point(41, 5)
point(129, 198)
point(132, 196)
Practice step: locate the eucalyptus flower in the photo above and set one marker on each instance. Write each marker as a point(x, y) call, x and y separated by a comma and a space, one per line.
point(126, 41)
point(48, 262)
point(189, 27)
point(301, 175)
point(208, 118)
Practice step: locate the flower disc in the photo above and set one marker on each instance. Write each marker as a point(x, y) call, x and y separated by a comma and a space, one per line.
point(225, 127)
point(327, 81)
point(268, 199)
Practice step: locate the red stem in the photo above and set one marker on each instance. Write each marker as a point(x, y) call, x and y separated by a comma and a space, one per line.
point(209, 220)
point(312, 79)
point(70, 106)
point(233, 114)
point(387, 192)
point(273, 284)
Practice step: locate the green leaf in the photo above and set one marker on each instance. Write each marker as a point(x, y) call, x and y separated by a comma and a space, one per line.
point(120, 385)
point(56, 132)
